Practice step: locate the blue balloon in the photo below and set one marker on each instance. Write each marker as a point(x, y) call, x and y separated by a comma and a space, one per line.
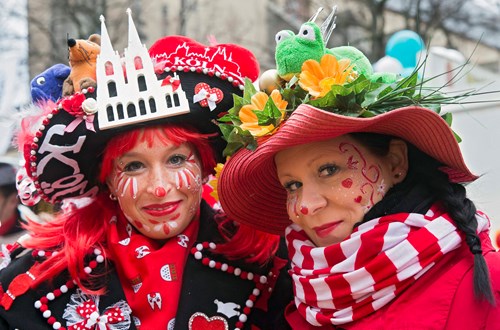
point(404, 45)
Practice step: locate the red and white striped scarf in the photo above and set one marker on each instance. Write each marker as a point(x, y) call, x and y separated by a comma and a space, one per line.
point(344, 282)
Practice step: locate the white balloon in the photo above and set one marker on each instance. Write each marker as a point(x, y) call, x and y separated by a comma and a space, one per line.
point(388, 64)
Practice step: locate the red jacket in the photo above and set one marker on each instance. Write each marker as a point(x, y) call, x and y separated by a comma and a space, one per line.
point(443, 298)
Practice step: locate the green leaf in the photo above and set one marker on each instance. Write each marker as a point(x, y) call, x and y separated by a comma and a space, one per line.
point(249, 91)
point(226, 130)
point(238, 102)
point(270, 115)
point(230, 118)
point(231, 148)
point(408, 85)
point(236, 138)
point(448, 117)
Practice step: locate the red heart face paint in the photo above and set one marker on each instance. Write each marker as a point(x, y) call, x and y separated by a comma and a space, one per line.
point(331, 185)
point(347, 183)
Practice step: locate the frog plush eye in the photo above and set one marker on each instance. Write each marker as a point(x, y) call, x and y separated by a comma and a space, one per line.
point(307, 32)
point(282, 35)
point(40, 80)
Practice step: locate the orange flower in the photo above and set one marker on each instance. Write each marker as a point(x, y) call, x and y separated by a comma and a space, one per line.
point(318, 78)
point(258, 102)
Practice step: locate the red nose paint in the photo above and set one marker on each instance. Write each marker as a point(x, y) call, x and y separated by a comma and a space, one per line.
point(304, 210)
point(160, 192)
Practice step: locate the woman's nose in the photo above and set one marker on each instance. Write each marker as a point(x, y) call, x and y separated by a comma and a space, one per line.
point(312, 201)
point(159, 184)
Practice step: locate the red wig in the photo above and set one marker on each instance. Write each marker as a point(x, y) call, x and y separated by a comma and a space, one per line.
point(76, 233)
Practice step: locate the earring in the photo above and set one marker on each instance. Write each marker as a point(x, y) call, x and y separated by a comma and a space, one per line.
point(112, 197)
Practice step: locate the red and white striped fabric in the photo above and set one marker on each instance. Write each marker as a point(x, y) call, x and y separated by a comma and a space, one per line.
point(349, 280)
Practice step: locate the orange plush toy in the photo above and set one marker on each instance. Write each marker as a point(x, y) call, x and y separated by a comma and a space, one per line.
point(82, 61)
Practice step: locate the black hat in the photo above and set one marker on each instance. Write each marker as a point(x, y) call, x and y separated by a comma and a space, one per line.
point(177, 81)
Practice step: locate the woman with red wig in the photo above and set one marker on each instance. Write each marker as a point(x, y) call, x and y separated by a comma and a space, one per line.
point(136, 246)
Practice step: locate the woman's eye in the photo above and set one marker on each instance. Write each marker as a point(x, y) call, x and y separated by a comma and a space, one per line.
point(133, 166)
point(327, 170)
point(292, 186)
point(177, 160)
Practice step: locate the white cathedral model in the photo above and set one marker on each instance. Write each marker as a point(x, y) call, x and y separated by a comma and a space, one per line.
point(136, 95)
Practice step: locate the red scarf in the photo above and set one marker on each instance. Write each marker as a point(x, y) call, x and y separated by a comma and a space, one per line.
point(347, 281)
point(150, 273)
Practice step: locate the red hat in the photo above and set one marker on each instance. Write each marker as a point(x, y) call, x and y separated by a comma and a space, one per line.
point(331, 95)
point(248, 186)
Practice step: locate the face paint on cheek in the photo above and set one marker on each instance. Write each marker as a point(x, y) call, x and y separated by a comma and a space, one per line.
point(367, 189)
point(166, 229)
point(190, 159)
point(382, 188)
point(168, 226)
point(123, 183)
point(347, 183)
point(138, 224)
point(191, 178)
point(304, 210)
point(194, 208)
point(292, 206)
point(356, 160)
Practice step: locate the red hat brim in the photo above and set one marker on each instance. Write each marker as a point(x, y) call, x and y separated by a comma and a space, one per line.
point(248, 186)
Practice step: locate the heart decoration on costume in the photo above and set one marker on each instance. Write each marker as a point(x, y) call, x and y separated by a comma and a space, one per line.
point(199, 321)
point(207, 96)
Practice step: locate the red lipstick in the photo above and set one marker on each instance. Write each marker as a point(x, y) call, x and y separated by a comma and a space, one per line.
point(324, 230)
point(161, 210)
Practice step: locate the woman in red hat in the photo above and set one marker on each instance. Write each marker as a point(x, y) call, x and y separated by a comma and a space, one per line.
point(136, 245)
point(367, 184)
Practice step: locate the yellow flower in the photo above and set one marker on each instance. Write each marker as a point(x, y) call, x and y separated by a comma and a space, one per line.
point(258, 101)
point(318, 78)
point(213, 181)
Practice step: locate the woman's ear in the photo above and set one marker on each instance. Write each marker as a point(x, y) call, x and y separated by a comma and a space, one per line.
point(398, 159)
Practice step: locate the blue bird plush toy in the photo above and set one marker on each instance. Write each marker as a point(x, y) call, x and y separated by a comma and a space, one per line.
point(48, 84)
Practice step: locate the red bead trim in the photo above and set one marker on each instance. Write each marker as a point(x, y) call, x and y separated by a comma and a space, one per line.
point(224, 76)
point(43, 303)
point(261, 282)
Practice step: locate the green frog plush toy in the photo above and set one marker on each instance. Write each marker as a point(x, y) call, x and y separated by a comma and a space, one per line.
point(292, 50)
